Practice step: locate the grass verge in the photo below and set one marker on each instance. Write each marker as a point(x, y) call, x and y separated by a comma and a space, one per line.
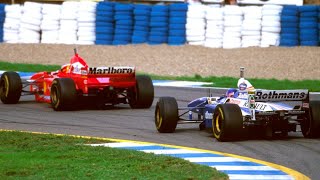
point(45, 156)
point(227, 82)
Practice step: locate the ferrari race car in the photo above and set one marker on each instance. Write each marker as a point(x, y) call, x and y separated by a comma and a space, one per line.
point(244, 110)
point(76, 83)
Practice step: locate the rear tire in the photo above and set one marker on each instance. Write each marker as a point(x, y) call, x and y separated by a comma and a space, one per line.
point(310, 126)
point(166, 115)
point(227, 123)
point(63, 94)
point(10, 88)
point(142, 96)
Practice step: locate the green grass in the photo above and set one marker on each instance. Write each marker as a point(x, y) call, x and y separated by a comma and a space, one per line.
point(45, 156)
point(312, 85)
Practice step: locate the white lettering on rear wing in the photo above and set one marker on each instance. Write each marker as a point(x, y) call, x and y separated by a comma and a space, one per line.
point(111, 70)
point(281, 95)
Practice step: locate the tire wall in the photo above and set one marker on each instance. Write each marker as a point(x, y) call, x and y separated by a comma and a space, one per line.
point(209, 25)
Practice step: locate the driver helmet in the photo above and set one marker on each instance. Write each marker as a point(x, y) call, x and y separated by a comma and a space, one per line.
point(65, 68)
point(231, 92)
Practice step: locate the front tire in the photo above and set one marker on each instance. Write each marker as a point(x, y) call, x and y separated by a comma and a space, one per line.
point(166, 115)
point(10, 88)
point(63, 94)
point(227, 123)
point(142, 96)
point(310, 126)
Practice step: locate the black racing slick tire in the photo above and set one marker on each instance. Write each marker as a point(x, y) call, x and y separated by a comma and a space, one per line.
point(142, 96)
point(310, 126)
point(166, 115)
point(10, 88)
point(227, 123)
point(63, 94)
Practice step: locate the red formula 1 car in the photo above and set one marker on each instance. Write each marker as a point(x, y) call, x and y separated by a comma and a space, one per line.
point(76, 83)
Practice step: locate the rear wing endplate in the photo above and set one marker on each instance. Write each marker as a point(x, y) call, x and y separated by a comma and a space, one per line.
point(281, 95)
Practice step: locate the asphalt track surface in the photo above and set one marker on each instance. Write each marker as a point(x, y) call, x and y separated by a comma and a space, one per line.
point(121, 122)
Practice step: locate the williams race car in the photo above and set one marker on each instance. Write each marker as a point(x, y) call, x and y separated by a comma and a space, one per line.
point(243, 110)
point(77, 83)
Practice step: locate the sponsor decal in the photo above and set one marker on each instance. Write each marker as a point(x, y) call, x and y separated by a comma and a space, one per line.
point(208, 115)
point(111, 70)
point(281, 95)
point(257, 106)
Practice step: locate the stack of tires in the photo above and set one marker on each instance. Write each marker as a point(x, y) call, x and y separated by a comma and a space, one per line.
point(271, 26)
point(251, 26)
point(196, 24)
point(159, 17)
point(50, 23)
point(289, 35)
point(86, 18)
point(68, 23)
point(123, 24)
point(141, 14)
point(308, 25)
point(104, 23)
point(2, 18)
point(12, 23)
point(29, 31)
point(214, 27)
point(233, 18)
point(177, 23)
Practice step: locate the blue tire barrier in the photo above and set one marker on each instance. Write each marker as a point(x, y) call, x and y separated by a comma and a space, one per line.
point(118, 29)
point(122, 37)
point(289, 25)
point(294, 19)
point(158, 33)
point(120, 42)
point(142, 18)
point(160, 8)
point(178, 14)
point(104, 29)
point(105, 13)
point(123, 7)
point(142, 7)
point(308, 8)
point(123, 31)
point(122, 17)
point(159, 13)
point(141, 28)
point(104, 24)
point(139, 39)
point(119, 26)
point(292, 36)
point(160, 39)
point(309, 14)
point(124, 22)
point(177, 26)
point(106, 37)
point(289, 42)
point(103, 42)
point(141, 23)
point(158, 24)
point(178, 7)
point(104, 8)
point(160, 29)
point(123, 13)
point(290, 30)
point(105, 18)
point(177, 20)
point(309, 19)
point(159, 19)
point(290, 7)
point(140, 33)
point(176, 39)
point(141, 12)
point(308, 25)
point(173, 32)
point(308, 37)
point(309, 43)
point(313, 31)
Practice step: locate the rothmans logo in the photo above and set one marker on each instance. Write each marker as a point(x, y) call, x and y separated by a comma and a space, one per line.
point(281, 95)
point(111, 70)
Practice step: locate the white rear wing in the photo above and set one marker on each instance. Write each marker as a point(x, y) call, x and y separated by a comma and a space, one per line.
point(281, 95)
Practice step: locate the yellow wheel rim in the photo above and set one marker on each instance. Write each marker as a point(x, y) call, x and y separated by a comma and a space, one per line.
point(158, 119)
